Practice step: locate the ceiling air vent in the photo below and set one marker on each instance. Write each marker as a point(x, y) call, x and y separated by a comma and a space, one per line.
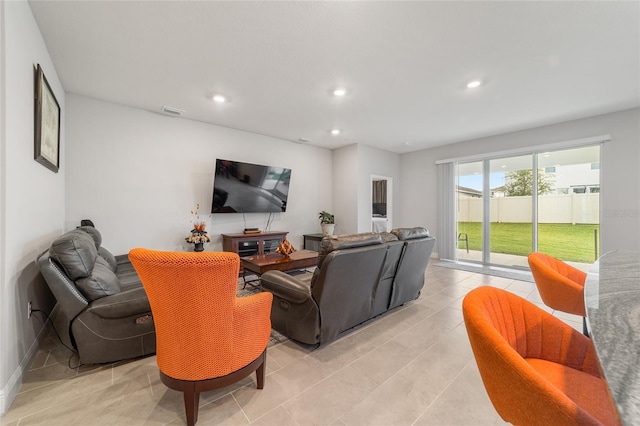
point(172, 111)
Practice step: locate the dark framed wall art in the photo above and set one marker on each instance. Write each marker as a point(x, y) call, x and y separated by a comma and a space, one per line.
point(47, 124)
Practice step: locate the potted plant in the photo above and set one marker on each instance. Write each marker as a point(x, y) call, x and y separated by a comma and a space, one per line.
point(327, 222)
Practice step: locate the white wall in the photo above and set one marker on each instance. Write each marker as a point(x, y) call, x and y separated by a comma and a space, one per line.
point(620, 172)
point(373, 161)
point(345, 189)
point(353, 167)
point(138, 174)
point(32, 196)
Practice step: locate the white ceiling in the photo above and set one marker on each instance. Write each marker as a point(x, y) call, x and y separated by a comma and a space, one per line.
point(405, 64)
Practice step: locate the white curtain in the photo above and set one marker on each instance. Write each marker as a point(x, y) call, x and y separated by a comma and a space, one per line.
point(447, 240)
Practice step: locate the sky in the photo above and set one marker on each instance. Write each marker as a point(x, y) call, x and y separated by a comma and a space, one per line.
point(475, 181)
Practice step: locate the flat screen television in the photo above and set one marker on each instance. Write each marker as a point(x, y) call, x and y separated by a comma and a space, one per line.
point(249, 188)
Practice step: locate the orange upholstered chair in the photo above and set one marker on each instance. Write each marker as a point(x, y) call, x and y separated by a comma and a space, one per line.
point(536, 369)
point(561, 286)
point(206, 337)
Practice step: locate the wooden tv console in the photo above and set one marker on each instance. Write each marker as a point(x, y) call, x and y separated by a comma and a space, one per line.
point(252, 244)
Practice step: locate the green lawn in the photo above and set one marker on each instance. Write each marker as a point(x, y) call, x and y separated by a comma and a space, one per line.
point(564, 241)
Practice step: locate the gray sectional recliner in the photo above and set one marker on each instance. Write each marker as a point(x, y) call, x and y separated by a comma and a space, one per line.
point(102, 309)
point(359, 276)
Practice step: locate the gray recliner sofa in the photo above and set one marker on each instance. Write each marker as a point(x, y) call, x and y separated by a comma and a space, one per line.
point(102, 309)
point(359, 276)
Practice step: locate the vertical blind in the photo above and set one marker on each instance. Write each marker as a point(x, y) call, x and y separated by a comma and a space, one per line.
point(447, 211)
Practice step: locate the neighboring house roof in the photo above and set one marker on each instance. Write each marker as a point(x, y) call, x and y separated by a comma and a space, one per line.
point(468, 191)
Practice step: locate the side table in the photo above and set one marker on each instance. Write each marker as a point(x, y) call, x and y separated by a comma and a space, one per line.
point(312, 241)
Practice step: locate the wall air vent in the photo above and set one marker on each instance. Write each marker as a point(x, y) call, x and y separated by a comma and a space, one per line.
point(172, 111)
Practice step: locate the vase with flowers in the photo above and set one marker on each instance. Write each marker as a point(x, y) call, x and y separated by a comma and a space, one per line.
point(198, 235)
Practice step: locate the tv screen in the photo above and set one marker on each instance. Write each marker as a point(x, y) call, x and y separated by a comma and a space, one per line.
point(249, 188)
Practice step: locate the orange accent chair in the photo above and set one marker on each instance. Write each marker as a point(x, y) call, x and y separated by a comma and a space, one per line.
point(206, 337)
point(561, 286)
point(536, 369)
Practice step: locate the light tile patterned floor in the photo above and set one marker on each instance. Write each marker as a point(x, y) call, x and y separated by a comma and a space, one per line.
point(413, 366)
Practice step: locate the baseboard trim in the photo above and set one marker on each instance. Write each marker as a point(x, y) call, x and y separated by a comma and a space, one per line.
point(497, 271)
point(9, 392)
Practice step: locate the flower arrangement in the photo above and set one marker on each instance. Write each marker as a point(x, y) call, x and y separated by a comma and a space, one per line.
point(198, 237)
point(198, 233)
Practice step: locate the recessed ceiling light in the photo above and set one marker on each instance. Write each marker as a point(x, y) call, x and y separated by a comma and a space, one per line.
point(339, 91)
point(473, 84)
point(336, 132)
point(503, 166)
point(219, 98)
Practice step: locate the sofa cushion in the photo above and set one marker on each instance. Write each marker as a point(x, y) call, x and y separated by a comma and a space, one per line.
point(346, 241)
point(75, 252)
point(410, 233)
point(102, 282)
point(103, 252)
point(94, 233)
point(110, 258)
point(388, 237)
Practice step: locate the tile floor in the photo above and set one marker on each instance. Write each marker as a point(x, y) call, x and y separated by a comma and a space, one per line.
point(413, 366)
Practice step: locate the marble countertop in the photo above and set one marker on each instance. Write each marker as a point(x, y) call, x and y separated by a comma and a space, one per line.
point(612, 297)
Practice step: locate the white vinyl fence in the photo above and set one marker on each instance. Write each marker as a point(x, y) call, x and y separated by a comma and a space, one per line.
point(557, 208)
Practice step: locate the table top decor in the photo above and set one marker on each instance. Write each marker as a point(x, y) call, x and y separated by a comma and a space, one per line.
point(199, 235)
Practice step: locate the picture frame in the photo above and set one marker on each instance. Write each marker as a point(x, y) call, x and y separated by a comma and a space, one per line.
point(47, 123)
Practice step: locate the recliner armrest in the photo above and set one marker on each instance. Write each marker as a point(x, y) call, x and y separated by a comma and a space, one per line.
point(127, 303)
point(286, 286)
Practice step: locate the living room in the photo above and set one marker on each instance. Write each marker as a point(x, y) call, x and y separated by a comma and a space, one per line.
point(138, 173)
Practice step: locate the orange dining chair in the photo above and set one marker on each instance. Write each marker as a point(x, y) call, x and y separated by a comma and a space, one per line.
point(561, 286)
point(536, 369)
point(206, 337)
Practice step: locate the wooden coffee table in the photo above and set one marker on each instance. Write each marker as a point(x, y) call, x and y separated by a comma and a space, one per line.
point(261, 263)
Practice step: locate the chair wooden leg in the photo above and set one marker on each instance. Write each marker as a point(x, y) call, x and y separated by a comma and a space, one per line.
point(191, 388)
point(191, 402)
point(260, 371)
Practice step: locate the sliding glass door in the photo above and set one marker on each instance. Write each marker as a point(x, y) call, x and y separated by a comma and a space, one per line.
point(508, 207)
point(569, 214)
point(511, 207)
point(469, 196)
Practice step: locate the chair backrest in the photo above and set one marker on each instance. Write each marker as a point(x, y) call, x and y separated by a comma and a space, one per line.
point(192, 297)
point(561, 286)
point(503, 330)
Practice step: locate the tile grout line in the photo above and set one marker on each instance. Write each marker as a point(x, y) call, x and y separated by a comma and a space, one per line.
point(239, 406)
